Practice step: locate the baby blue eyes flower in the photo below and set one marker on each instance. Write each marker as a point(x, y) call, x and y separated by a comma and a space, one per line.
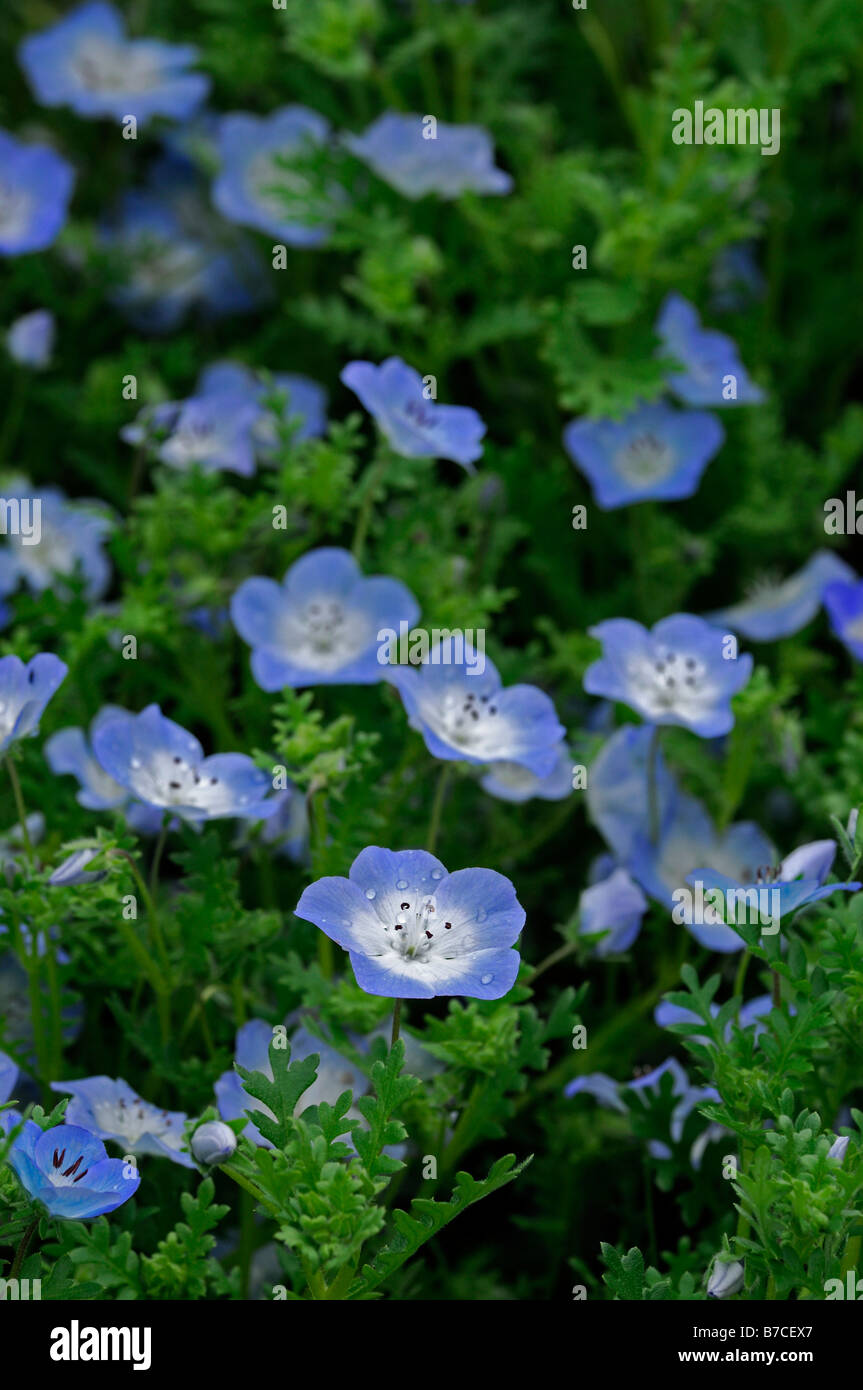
point(844, 605)
point(798, 882)
point(282, 398)
point(656, 452)
point(214, 433)
point(30, 339)
point(779, 610)
point(257, 186)
point(24, 693)
point(213, 1142)
point(839, 1148)
point(712, 371)
point(163, 766)
point(320, 625)
point(466, 715)
point(335, 1075)
point(111, 1110)
point(414, 931)
point(512, 782)
point(35, 188)
point(414, 425)
point(415, 157)
point(725, 1279)
point(684, 671)
point(86, 62)
point(69, 1172)
point(616, 907)
point(8, 1077)
point(70, 540)
point(69, 752)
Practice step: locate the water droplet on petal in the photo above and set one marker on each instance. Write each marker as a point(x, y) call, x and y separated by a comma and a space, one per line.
point(135, 763)
point(486, 979)
point(402, 883)
point(437, 873)
point(370, 893)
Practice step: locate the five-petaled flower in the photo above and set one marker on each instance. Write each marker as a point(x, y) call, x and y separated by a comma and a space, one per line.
point(260, 184)
point(35, 188)
point(683, 671)
point(412, 423)
point(110, 1109)
point(656, 452)
point(164, 766)
point(24, 693)
point(414, 931)
point(416, 158)
point(320, 625)
point(67, 1169)
point(86, 62)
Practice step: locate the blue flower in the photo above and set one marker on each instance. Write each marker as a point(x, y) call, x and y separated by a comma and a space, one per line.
point(300, 402)
point(414, 931)
point(416, 158)
point(844, 605)
point(798, 882)
point(24, 693)
point(70, 539)
point(414, 425)
point(465, 714)
point(86, 62)
point(735, 278)
point(8, 1077)
point(213, 433)
point(512, 782)
point(69, 1172)
point(162, 765)
point(779, 610)
point(257, 187)
point(320, 625)
point(616, 907)
point(30, 339)
point(613, 1095)
point(665, 1014)
point(69, 752)
point(112, 1110)
point(169, 254)
point(656, 452)
point(335, 1075)
point(35, 188)
point(617, 798)
point(708, 359)
point(684, 671)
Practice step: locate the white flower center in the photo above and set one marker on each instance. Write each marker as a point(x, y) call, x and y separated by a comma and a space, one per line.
point(15, 209)
point(644, 460)
point(101, 65)
point(133, 1119)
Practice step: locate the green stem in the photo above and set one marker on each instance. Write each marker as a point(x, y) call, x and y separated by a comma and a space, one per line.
point(397, 1018)
point(374, 477)
point(23, 1247)
point(741, 974)
point(437, 807)
point(157, 858)
point(552, 959)
point(19, 805)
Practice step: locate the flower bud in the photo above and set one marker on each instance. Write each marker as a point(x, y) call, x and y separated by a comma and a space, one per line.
point(838, 1148)
point(213, 1142)
point(725, 1279)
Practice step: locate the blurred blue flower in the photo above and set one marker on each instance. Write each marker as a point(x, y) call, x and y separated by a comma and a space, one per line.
point(320, 625)
point(417, 157)
point(466, 715)
point(258, 187)
point(169, 253)
point(69, 1172)
point(844, 605)
point(414, 931)
point(683, 671)
point(750, 1015)
point(112, 1110)
point(8, 1077)
point(214, 433)
point(613, 1095)
point(797, 882)
point(69, 752)
point(412, 423)
point(301, 402)
point(334, 1076)
point(164, 767)
point(735, 278)
point(656, 452)
point(617, 798)
point(707, 358)
point(35, 188)
point(30, 339)
point(86, 62)
point(779, 610)
point(71, 539)
point(24, 693)
point(512, 782)
point(615, 906)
